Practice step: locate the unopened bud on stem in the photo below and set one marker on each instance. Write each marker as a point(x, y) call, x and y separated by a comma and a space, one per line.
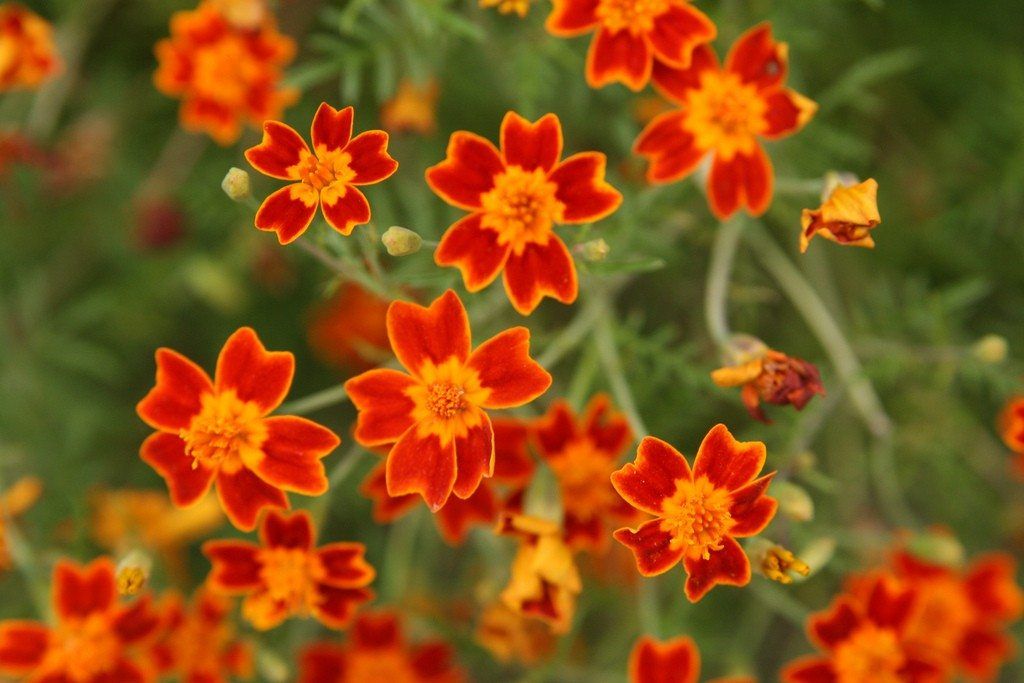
point(133, 573)
point(236, 185)
point(401, 241)
point(991, 348)
point(595, 250)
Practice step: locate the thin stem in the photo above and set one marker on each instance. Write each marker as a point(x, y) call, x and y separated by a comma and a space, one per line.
point(604, 340)
point(314, 402)
point(322, 256)
point(799, 185)
point(339, 472)
point(723, 253)
point(25, 560)
point(573, 333)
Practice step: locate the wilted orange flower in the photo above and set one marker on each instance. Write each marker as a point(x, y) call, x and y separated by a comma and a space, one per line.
point(326, 177)
point(435, 416)
point(225, 75)
point(699, 514)
point(220, 430)
point(583, 454)
point(632, 35)
point(28, 56)
point(22, 495)
point(413, 108)
point(670, 661)
point(198, 642)
point(377, 651)
point(512, 637)
point(517, 196)
point(287, 576)
point(864, 639)
point(349, 330)
point(846, 217)
point(545, 582)
point(95, 639)
point(723, 113)
point(773, 377)
point(512, 466)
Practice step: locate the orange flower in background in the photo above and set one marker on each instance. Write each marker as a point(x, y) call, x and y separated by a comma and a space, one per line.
point(583, 453)
point(544, 582)
point(1011, 428)
point(511, 637)
point(225, 75)
point(198, 643)
point(517, 7)
point(517, 196)
point(632, 35)
point(328, 176)
point(413, 108)
point(436, 415)
point(28, 56)
point(773, 377)
point(377, 651)
point(699, 513)
point(17, 499)
point(723, 113)
point(287, 576)
point(671, 661)
point(846, 217)
point(95, 638)
point(220, 431)
point(349, 330)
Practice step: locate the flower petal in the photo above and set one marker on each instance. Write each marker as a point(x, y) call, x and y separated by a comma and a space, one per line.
point(23, 645)
point(541, 270)
point(422, 464)
point(619, 57)
point(585, 532)
point(555, 430)
point(337, 606)
point(531, 145)
point(582, 189)
point(474, 455)
point(457, 515)
point(332, 128)
point(235, 566)
point(435, 333)
point(81, 591)
point(651, 546)
point(255, 374)
point(175, 400)
point(165, 453)
point(294, 531)
point(726, 462)
point(653, 477)
point(810, 670)
point(570, 18)
point(435, 661)
point(386, 508)
point(991, 584)
point(370, 159)
point(512, 462)
point(288, 211)
point(136, 621)
point(678, 31)
point(243, 495)
point(608, 430)
point(727, 566)
point(504, 366)
point(652, 661)
point(751, 510)
point(379, 630)
point(474, 250)
point(322, 662)
point(344, 207)
point(788, 111)
point(756, 58)
point(280, 152)
point(833, 626)
point(467, 172)
point(292, 454)
point(743, 180)
point(674, 84)
point(385, 409)
point(670, 149)
point(345, 565)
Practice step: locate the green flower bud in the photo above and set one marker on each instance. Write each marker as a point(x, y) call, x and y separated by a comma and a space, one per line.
point(236, 184)
point(401, 241)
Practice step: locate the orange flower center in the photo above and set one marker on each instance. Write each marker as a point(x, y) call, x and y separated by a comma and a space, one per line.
point(83, 649)
point(869, 654)
point(636, 16)
point(225, 71)
point(388, 665)
point(698, 517)
point(444, 399)
point(725, 114)
point(521, 207)
point(942, 615)
point(289, 574)
point(227, 432)
point(325, 168)
point(583, 475)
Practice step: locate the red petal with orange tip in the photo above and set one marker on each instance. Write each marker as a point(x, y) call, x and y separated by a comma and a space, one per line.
point(293, 452)
point(468, 171)
point(728, 566)
point(651, 547)
point(572, 17)
point(23, 645)
point(512, 462)
point(652, 478)
point(80, 591)
point(243, 495)
point(541, 270)
point(726, 462)
point(619, 57)
point(531, 145)
point(370, 159)
point(288, 211)
point(751, 510)
point(983, 651)
point(175, 400)
point(810, 670)
point(672, 661)
point(344, 212)
point(279, 153)
point(670, 149)
point(337, 606)
point(385, 508)
point(294, 531)
point(474, 250)
point(474, 456)
point(889, 604)
point(744, 180)
point(457, 515)
point(377, 631)
point(556, 429)
point(830, 628)
point(385, 410)
point(322, 663)
point(586, 532)
point(136, 622)
point(757, 58)
point(608, 430)
point(678, 31)
point(235, 565)
point(787, 112)
point(435, 661)
point(421, 464)
point(992, 587)
point(255, 374)
point(435, 333)
point(504, 366)
point(165, 453)
point(345, 565)
point(332, 128)
point(674, 83)
point(582, 188)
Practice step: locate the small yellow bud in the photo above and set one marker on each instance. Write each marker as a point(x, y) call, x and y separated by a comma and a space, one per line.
point(271, 666)
point(937, 546)
point(992, 349)
point(401, 241)
point(776, 563)
point(595, 250)
point(133, 573)
point(236, 184)
point(794, 502)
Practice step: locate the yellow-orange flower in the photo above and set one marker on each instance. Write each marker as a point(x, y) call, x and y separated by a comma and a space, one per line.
point(28, 56)
point(846, 217)
point(518, 7)
point(413, 108)
point(14, 501)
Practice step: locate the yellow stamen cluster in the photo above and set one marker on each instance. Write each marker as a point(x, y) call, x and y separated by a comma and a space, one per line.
point(725, 114)
point(869, 654)
point(221, 432)
point(698, 517)
point(778, 562)
point(521, 207)
point(445, 400)
point(636, 16)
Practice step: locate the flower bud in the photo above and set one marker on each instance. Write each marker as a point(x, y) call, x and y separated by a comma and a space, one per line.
point(133, 573)
point(794, 502)
point(937, 546)
point(775, 562)
point(401, 241)
point(992, 349)
point(595, 250)
point(236, 184)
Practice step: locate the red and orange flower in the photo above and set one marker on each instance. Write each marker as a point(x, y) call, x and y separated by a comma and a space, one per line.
point(287, 576)
point(773, 377)
point(328, 176)
point(632, 35)
point(28, 56)
point(377, 651)
point(96, 639)
point(436, 415)
point(723, 113)
point(220, 430)
point(699, 513)
point(517, 195)
point(583, 453)
point(349, 330)
point(226, 75)
point(1011, 428)
point(413, 108)
point(671, 661)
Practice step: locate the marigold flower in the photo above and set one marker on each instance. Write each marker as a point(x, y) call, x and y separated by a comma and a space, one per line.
point(583, 453)
point(632, 36)
point(224, 74)
point(287, 576)
point(413, 108)
point(517, 196)
point(846, 217)
point(772, 377)
point(349, 330)
point(198, 642)
point(377, 651)
point(699, 513)
point(510, 636)
point(671, 661)
point(13, 502)
point(1011, 424)
point(220, 430)
point(724, 112)
point(95, 637)
point(327, 177)
point(28, 56)
point(436, 415)
point(544, 581)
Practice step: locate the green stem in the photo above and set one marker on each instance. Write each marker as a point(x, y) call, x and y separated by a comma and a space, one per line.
point(338, 474)
point(604, 340)
point(314, 402)
point(573, 333)
point(25, 560)
point(723, 253)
